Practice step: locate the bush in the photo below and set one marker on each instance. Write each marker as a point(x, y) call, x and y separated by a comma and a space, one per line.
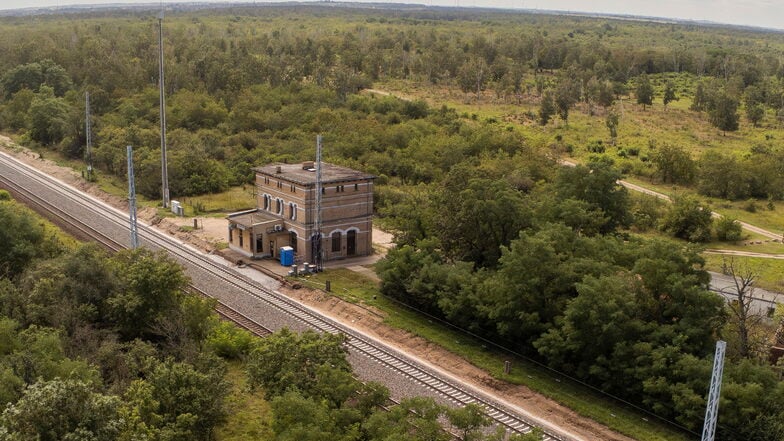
point(596, 146)
point(688, 219)
point(229, 341)
point(728, 230)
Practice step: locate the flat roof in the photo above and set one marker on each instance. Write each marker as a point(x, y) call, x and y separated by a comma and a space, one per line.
point(253, 217)
point(296, 173)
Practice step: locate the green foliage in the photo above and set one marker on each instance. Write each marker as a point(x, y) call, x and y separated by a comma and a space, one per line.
point(33, 75)
point(547, 108)
point(596, 184)
point(150, 286)
point(229, 341)
point(62, 410)
point(48, 117)
point(285, 361)
point(612, 121)
point(669, 93)
point(688, 219)
point(724, 113)
point(674, 164)
point(23, 240)
point(644, 91)
point(728, 229)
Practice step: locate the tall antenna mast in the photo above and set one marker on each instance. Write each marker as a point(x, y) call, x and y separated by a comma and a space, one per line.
point(164, 165)
point(317, 251)
point(88, 136)
point(132, 200)
point(712, 411)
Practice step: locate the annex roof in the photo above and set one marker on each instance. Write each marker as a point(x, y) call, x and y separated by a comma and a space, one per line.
point(252, 218)
point(305, 173)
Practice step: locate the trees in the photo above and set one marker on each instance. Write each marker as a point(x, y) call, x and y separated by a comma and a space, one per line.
point(62, 410)
point(150, 285)
point(597, 184)
point(612, 125)
point(688, 219)
point(644, 91)
point(674, 164)
point(669, 94)
point(724, 113)
point(728, 229)
point(47, 117)
point(23, 240)
point(286, 361)
point(546, 108)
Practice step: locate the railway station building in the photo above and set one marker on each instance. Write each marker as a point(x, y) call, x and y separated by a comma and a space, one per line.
point(285, 213)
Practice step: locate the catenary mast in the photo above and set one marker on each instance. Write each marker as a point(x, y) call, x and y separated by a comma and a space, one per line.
point(164, 164)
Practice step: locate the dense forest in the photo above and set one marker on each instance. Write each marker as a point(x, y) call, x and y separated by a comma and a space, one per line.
point(545, 259)
point(109, 347)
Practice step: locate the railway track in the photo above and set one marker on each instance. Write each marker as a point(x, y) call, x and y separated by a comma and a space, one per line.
point(453, 391)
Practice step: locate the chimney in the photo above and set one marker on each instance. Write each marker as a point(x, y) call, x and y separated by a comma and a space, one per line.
point(307, 165)
point(278, 170)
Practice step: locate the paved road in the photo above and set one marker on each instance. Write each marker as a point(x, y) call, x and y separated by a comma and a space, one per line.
point(763, 300)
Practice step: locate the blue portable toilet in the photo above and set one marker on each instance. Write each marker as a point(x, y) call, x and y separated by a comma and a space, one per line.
point(286, 256)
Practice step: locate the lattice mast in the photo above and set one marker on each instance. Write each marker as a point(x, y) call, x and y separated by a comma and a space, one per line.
point(164, 162)
point(132, 200)
point(712, 411)
point(88, 137)
point(318, 253)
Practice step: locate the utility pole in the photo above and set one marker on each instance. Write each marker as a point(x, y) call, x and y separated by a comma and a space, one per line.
point(318, 253)
point(164, 164)
point(712, 411)
point(87, 134)
point(132, 200)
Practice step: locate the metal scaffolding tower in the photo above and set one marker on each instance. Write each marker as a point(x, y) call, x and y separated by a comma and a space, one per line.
point(132, 200)
point(712, 411)
point(88, 136)
point(164, 164)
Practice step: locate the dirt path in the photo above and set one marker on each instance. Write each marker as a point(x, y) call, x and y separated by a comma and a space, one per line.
point(363, 318)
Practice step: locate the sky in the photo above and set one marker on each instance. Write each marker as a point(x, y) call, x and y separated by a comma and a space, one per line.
point(761, 13)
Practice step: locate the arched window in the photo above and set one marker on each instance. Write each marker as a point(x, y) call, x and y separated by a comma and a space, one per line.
point(336, 239)
point(267, 202)
point(292, 211)
point(279, 207)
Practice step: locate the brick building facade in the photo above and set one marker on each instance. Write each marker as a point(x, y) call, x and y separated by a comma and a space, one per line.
point(286, 213)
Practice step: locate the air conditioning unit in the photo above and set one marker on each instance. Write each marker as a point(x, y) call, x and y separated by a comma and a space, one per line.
point(278, 227)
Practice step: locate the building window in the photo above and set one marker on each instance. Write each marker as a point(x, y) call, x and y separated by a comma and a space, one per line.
point(336, 242)
point(356, 187)
point(339, 189)
point(241, 238)
point(280, 184)
point(293, 188)
point(231, 235)
point(293, 240)
point(323, 190)
point(266, 180)
point(279, 207)
point(292, 211)
point(267, 200)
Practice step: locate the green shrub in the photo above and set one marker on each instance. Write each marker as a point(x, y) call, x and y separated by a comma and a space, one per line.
point(229, 341)
point(728, 230)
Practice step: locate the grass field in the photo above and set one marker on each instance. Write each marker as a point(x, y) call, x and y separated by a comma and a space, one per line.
point(360, 290)
point(248, 413)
